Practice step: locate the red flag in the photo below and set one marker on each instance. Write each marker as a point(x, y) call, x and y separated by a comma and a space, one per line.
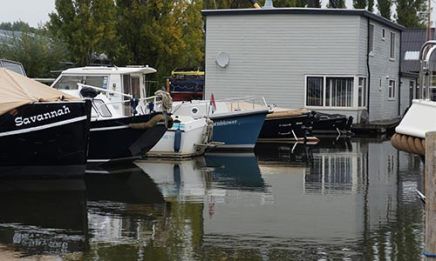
point(212, 103)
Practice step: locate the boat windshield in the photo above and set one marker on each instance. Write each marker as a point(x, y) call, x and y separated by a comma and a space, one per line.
point(70, 82)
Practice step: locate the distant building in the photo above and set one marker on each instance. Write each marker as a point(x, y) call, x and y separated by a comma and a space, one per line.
point(330, 60)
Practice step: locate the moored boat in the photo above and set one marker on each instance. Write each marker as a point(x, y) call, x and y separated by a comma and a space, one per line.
point(188, 137)
point(40, 126)
point(118, 130)
point(287, 125)
point(236, 123)
point(410, 133)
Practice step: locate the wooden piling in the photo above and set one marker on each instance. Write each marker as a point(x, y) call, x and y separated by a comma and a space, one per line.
point(430, 193)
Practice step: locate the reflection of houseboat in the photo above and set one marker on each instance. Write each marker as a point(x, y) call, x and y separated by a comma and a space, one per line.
point(186, 85)
point(39, 125)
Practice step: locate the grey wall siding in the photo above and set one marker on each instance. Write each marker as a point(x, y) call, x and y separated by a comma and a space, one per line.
point(271, 54)
point(405, 93)
point(382, 70)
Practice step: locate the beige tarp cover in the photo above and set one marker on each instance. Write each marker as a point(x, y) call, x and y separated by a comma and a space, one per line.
point(17, 90)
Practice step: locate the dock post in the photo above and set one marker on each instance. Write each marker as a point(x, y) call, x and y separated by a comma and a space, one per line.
point(430, 194)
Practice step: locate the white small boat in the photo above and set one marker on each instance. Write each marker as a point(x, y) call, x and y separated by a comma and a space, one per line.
point(188, 137)
point(236, 122)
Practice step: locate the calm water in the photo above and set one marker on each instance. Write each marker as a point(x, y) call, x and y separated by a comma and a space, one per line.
point(338, 200)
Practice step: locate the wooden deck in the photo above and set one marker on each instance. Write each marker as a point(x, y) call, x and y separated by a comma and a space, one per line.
point(375, 127)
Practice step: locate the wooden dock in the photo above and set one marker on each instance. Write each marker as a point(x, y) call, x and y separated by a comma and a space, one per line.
point(375, 127)
point(430, 196)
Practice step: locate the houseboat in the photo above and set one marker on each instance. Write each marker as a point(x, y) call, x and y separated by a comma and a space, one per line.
point(39, 125)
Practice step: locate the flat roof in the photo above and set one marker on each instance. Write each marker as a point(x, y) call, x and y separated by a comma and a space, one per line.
point(312, 11)
point(109, 70)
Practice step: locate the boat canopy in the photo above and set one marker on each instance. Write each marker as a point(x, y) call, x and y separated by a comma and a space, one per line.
point(17, 90)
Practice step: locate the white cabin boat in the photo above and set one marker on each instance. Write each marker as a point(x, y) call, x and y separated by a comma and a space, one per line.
point(126, 90)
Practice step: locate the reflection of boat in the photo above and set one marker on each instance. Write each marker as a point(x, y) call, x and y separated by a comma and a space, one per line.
point(236, 123)
point(124, 183)
point(177, 179)
point(43, 216)
point(39, 125)
point(123, 206)
point(235, 171)
point(294, 154)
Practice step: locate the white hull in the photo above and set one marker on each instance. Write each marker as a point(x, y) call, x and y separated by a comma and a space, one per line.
point(194, 138)
point(418, 119)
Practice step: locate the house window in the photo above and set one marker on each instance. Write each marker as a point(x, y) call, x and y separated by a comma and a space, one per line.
point(371, 39)
point(392, 49)
point(383, 34)
point(339, 92)
point(361, 89)
point(391, 89)
point(315, 91)
point(329, 91)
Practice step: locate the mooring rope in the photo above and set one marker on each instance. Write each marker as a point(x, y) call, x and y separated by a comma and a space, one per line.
point(166, 100)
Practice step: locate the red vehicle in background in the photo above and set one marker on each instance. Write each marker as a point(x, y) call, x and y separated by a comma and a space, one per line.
point(186, 85)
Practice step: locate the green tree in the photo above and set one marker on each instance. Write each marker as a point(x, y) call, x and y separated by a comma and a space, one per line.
point(371, 5)
point(411, 13)
point(336, 4)
point(86, 27)
point(360, 4)
point(37, 52)
point(384, 7)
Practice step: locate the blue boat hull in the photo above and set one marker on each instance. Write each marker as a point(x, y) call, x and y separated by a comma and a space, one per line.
point(238, 130)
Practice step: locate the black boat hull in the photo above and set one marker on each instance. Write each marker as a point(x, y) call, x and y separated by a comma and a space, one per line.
point(331, 123)
point(286, 128)
point(114, 140)
point(45, 134)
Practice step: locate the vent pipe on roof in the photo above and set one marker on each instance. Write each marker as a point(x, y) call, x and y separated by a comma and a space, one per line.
point(268, 4)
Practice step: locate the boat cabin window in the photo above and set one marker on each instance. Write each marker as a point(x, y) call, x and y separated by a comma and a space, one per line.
point(13, 66)
point(100, 107)
point(131, 86)
point(70, 82)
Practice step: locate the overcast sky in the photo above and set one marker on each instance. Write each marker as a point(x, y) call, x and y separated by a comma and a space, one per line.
point(35, 12)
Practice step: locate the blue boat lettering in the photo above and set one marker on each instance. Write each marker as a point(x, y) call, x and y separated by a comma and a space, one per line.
point(225, 123)
point(41, 117)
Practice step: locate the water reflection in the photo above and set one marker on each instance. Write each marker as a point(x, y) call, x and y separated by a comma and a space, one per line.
point(43, 216)
point(124, 207)
point(350, 199)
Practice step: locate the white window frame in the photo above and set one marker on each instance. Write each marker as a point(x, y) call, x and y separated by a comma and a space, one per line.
point(354, 101)
point(392, 89)
point(364, 91)
point(371, 39)
point(392, 46)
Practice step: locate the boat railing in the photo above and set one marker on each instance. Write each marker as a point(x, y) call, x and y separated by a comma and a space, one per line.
point(133, 101)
